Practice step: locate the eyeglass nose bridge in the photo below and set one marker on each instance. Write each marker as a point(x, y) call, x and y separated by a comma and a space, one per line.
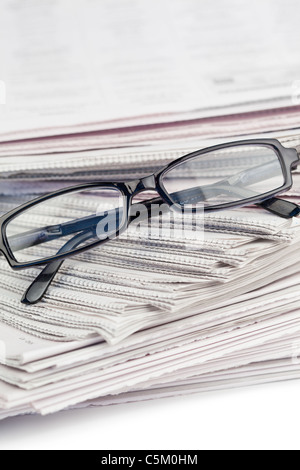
point(147, 183)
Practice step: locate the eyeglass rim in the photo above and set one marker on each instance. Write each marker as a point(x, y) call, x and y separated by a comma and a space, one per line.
point(7, 218)
point(288, 158)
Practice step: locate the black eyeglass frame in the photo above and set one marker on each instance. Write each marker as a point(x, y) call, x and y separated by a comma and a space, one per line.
point(288, 158)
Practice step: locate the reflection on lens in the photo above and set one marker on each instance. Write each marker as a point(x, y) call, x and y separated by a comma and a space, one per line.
point(65, 223)
point(224, 176)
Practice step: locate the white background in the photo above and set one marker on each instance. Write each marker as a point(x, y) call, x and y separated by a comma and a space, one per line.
point(260, 417)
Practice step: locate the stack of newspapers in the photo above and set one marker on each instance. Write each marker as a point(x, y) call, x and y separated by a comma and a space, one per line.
point(153, 313)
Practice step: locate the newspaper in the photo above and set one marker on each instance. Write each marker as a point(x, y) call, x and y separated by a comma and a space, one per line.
point(112, 91)
point(78, 66)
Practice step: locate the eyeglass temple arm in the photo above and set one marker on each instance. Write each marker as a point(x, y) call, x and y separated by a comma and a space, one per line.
point(42, 235)
point(285, 209)
point(40, 285)
point(281, 207)
point(236, 185)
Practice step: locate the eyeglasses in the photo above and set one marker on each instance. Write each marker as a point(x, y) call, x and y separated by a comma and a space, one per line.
point(70, 221)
